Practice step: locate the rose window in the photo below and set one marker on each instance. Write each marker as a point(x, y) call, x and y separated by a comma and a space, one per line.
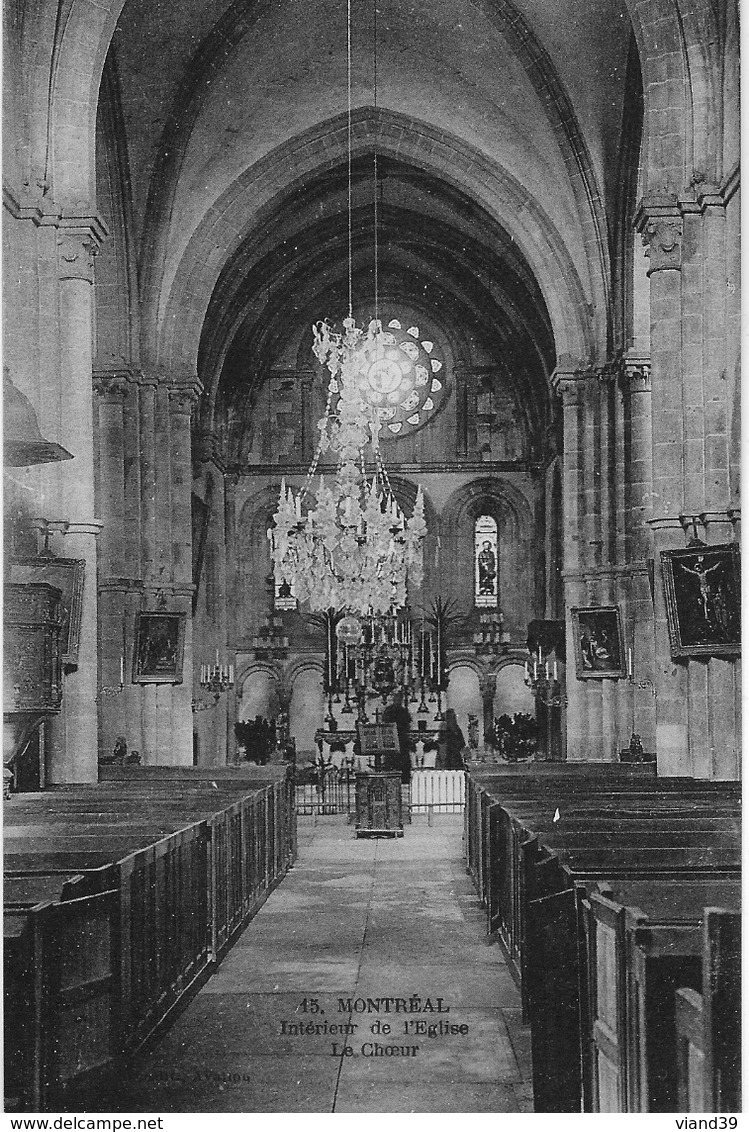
point(403, 378)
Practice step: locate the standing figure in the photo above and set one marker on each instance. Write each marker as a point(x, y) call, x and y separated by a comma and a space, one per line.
point(454, 742)
point(397, 713)
point(487, 563)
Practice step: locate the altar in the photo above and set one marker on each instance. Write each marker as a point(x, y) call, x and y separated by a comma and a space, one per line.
point(373, 666)
point(337, 746)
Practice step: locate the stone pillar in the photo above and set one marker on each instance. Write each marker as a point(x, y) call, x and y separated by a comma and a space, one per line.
point(697, 697)
point(182, 397)
point(73, 735)
point(147, 398)
point(112, 390)
point(660, 223)
point(638, 478)
point(570, 385)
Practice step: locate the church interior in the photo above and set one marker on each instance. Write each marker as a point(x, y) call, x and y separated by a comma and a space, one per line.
point(381, 583)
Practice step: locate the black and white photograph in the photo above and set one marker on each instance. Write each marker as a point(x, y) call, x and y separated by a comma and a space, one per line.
point(372, 657)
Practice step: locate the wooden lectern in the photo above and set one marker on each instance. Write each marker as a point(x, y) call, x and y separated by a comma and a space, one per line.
point(379, 807)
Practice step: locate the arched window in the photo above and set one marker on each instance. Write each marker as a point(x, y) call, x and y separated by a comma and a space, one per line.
point(486, 587)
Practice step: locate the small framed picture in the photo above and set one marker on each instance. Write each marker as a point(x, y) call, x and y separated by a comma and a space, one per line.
point(67, 575)
point(703, 604)
point(598, 643)
point(159, 648)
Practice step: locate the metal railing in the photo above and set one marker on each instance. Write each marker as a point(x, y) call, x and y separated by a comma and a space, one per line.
point(333, 793)
point(431, 791)
point(440, 791)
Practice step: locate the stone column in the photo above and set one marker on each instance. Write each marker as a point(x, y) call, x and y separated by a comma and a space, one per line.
point(182, 397)
point(635, 389)
point(112, 390)
point(570, 385)
point(660, 222)
point(73, 736)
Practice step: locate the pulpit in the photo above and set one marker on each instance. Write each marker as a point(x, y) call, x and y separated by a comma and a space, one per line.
point(379, 805)
point(32, 678)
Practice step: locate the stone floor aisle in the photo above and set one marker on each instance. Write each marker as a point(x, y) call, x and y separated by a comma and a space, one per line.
point(354, 920)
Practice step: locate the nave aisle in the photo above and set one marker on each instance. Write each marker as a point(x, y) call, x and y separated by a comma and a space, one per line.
point(353, 920)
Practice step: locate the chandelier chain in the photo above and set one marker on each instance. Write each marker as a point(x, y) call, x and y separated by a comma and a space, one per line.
point(350, 198)
point(376, 248)
point(353, 551)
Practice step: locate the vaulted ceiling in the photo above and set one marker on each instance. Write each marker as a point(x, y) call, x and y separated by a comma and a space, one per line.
point(497, 128)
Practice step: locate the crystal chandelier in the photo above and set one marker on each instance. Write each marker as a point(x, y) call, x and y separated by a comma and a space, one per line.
point(353, 551)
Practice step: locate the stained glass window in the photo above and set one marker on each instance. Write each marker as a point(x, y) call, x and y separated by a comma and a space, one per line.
point(485, 562)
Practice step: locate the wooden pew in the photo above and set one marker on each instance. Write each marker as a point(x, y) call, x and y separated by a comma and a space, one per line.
point(508, 831)
point(554, 960)
point(530, 869)
point(183, 887)
point(571, 793)
point(60, 986)
point(643, 941)
point(690, 1052)
point(708, 1022)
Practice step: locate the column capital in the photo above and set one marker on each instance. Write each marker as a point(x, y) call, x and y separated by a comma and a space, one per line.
point(702, 194)
point(659, 220)
point(111, 388)
point(634, 374)
point(571, 384)
point(79, 239)
point(183, 393)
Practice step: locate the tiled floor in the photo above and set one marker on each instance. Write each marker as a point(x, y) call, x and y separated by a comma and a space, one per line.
point(354, 920)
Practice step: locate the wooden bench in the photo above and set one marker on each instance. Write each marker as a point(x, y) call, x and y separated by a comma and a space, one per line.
point(708, 1024)
point(188, 865)
point(572, 795)
point(643, 941)
point(508, 826)
point(61, 987)
point(531, 871)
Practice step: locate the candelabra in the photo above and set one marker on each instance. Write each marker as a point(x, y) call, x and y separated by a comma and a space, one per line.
point(544, 682)
point(216, 678)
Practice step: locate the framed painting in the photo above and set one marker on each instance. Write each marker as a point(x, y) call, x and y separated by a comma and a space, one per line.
point(67, 575)
point(703, 600)
point(599, 653)
point(159, 648)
